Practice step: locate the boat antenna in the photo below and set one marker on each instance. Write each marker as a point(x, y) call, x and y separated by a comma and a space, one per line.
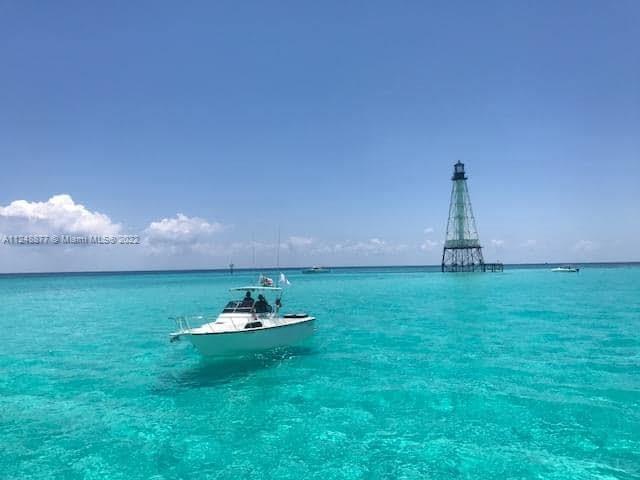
point(278, 251)
point(253, 249)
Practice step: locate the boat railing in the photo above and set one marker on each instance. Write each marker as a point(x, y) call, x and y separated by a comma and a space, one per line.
point(183, 323)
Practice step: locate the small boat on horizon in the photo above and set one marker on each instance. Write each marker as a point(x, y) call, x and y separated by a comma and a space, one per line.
point(566, 268)
point(247, 325)
point(316, 269)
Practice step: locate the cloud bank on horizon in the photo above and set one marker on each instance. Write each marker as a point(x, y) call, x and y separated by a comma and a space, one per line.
point(183, 241)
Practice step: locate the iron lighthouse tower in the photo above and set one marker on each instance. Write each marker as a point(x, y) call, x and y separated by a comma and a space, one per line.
point(462, 251)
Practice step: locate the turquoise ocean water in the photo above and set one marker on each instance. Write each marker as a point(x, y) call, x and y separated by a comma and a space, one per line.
point(411, 375)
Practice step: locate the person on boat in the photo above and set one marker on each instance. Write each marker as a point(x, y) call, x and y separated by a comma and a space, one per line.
point(247, 301)
point(262, 306)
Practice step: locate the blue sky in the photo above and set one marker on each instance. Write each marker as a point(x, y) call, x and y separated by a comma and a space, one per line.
point(337, 121)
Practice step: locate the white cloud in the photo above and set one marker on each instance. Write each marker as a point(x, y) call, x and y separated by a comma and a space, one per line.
point(372, 246)
point(428, 230)
point(529, 244)
point(182, 234)
point(586, 246)
point(59, 214)
point(181, 229)
point(497, 243)
point(428, 245)
point(375, 246)
point(297, 242)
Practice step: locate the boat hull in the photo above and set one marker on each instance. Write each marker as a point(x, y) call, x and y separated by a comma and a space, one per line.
point(252, 340)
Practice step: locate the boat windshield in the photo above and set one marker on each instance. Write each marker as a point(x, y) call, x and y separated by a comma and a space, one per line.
point(236, 306)
point(249, 305)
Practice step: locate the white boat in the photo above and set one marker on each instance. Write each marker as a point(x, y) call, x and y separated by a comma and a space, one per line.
point(316, 269)
point(247, 325)
point(566, 268)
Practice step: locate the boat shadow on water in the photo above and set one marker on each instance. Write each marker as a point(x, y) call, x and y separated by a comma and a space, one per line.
point(209, 372)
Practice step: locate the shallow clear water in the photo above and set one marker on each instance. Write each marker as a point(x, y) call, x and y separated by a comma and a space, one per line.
point(411, 374)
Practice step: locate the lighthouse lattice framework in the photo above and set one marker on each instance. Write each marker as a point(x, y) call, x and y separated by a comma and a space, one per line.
point(462, 251)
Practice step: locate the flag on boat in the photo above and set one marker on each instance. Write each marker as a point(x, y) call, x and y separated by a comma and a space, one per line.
point(283, 280)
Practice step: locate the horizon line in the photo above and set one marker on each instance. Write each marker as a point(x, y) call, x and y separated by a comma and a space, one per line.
point(256, 269)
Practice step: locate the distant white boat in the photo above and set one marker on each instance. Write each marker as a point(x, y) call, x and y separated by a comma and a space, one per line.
point(247, 325)
point(566, 268)
point(316, 269)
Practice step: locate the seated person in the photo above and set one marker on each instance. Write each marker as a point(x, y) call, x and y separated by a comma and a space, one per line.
point(247, 301)
point(262, 306)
